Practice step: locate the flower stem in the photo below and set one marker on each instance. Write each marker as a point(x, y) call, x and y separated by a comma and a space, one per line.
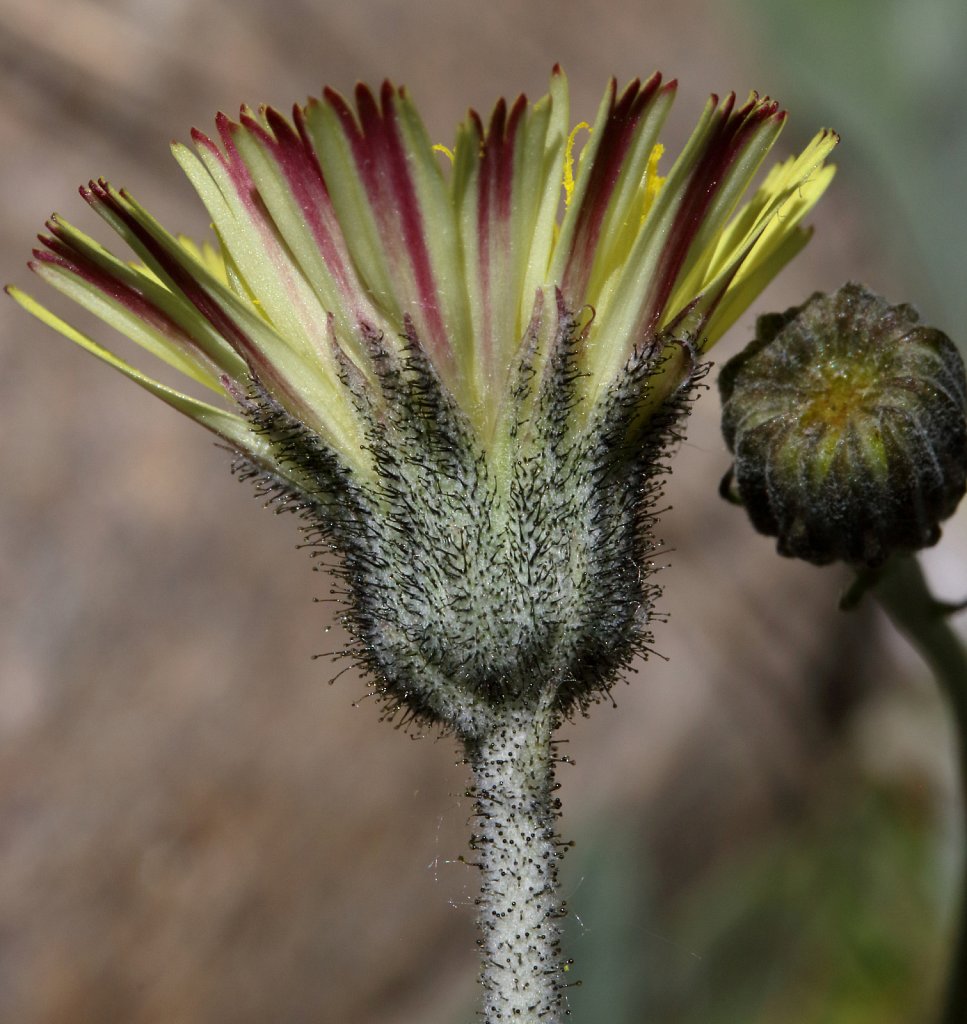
point(904, 594)
point(518, 852)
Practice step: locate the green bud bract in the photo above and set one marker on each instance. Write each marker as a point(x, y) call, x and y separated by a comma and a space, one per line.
point(848, 421)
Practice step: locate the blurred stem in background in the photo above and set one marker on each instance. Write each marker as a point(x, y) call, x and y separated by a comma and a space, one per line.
point(894, 74)
point(903, 592)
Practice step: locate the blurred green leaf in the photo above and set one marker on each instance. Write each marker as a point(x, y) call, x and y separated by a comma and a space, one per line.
point(890, 75)
point(834, 918)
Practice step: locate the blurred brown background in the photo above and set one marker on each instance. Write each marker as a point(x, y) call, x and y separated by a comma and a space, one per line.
point(196, 828)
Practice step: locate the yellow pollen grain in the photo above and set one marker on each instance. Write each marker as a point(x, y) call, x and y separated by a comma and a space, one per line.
point(569, 161)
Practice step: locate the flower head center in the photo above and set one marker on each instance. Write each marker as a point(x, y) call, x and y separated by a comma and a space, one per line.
point(841, 392)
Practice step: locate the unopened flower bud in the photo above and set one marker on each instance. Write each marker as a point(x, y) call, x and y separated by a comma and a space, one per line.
point(848, 421)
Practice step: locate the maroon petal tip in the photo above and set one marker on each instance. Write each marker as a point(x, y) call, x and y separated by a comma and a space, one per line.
point(766, 110)
point(518, 108)
point(339, 105)
point(362, 93)
point(279, 124)
point(226, 126)
point(366, 107)
point(206, 142)
point(498, 119)
point(95, 192)
point(248, 122)
point(387, 90)
point(632, 88)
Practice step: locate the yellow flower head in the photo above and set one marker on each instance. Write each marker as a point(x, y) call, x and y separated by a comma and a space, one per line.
point(462, 363)
point(344, 226)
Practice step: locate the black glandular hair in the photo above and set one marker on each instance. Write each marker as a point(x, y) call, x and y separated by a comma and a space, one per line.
point(471, 584)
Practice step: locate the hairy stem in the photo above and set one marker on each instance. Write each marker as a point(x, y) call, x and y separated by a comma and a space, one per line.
point(903, 592)
point(519, 907)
